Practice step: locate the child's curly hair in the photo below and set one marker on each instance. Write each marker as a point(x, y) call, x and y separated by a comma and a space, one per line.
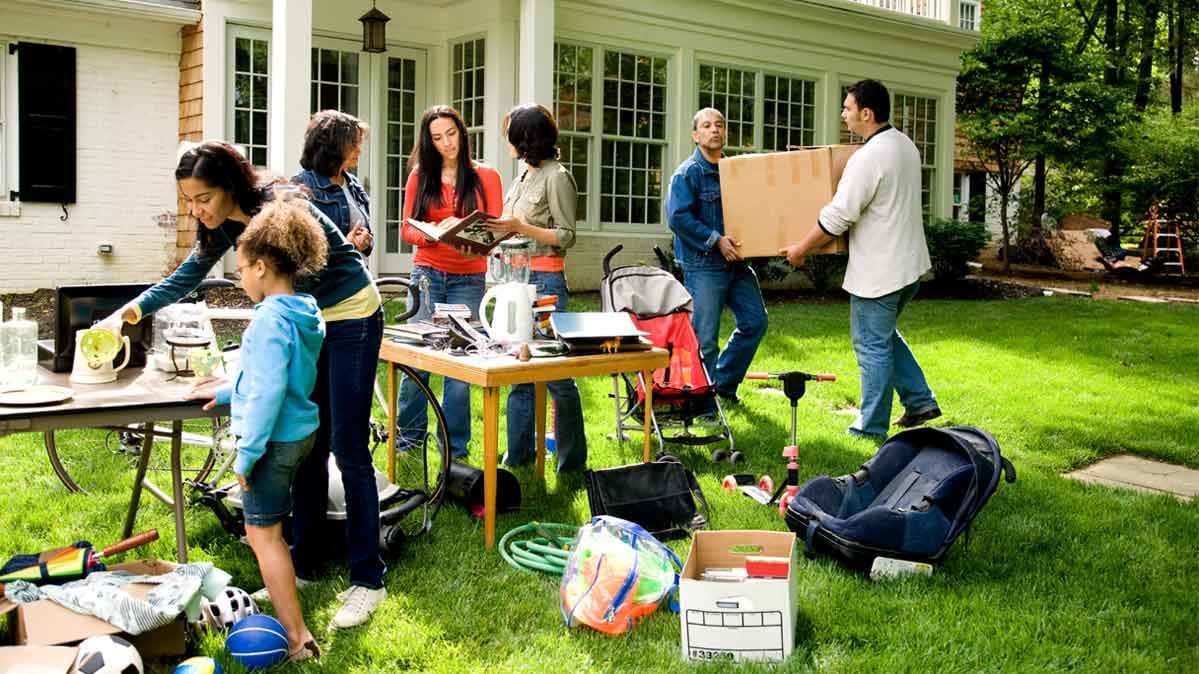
point(286, 236)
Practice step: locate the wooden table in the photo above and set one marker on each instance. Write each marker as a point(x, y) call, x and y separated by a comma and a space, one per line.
point(138, 396)
point(493, 372)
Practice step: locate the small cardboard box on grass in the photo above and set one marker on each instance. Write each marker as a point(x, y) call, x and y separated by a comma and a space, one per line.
point(771, 200)
point(45, 623)
point(753, 619)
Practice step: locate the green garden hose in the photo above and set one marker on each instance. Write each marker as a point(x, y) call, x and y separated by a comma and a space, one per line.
point(546, 551)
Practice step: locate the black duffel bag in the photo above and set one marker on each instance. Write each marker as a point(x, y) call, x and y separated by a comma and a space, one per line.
point(660, 496)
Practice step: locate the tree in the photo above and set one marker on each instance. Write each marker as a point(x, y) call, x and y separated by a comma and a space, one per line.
point(1025, 95)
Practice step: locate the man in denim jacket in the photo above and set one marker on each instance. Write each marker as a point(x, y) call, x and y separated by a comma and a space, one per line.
point(713, 270)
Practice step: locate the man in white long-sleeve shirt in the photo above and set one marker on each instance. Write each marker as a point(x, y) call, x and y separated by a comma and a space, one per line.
point(878, 203)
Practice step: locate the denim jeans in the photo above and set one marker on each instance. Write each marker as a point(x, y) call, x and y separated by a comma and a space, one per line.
point(455, 397)
point(568, 408)
point(711, 290)
point(345, 378)
point(269, 502)
point(885, 361)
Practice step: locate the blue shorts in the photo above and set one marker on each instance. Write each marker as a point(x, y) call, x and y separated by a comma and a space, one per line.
point(269, 500)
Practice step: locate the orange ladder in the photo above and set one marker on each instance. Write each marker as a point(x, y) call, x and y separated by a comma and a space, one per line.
point(1162, 238)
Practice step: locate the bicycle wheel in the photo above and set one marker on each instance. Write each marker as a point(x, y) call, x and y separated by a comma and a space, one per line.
point(422, 462)
point(86, 459)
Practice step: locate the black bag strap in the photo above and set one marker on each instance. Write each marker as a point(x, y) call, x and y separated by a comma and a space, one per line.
point(700, 521)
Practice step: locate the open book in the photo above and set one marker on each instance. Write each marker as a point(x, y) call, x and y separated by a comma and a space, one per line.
point(471, 233)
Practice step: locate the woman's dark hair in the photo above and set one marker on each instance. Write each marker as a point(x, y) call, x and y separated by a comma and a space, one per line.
point(285, 235)
point(219, 164)
point(531, 129)
point(425, 157)
point(329, 139)
point(872, 94)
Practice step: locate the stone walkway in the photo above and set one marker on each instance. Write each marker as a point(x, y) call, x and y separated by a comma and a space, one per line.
point(1133, 472)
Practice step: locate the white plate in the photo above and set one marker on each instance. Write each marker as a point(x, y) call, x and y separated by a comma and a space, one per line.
point(38, 394)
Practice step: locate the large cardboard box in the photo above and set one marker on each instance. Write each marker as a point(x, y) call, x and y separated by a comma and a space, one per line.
point(45, 623)
point(771, 200)
point(753, 619)
point(36, 659)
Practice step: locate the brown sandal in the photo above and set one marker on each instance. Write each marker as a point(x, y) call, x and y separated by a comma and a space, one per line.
point(308, 651)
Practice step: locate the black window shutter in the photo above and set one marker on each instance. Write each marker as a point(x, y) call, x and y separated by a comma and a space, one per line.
point(46, 122)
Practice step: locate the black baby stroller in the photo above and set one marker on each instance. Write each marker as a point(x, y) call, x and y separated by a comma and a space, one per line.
point(685, 408)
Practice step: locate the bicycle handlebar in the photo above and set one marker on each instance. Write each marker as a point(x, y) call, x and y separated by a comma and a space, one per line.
point(783, 375)
point(387, 282)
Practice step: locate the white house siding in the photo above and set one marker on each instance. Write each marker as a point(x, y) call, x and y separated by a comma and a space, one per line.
point(819, 41)
point(831, 42)
point(127, 74)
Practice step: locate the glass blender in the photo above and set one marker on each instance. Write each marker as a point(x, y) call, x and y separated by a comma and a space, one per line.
point(509, 262)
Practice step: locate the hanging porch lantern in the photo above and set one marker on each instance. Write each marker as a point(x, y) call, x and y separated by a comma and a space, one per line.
point(374, 37)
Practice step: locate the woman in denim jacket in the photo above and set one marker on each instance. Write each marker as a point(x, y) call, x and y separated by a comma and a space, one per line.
point(332, 145)
point(541, 206)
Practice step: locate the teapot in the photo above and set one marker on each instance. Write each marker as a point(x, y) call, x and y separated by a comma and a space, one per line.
point(95, 349)
point(512, 320)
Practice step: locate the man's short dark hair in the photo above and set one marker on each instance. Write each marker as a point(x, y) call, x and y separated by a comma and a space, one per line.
point(872, 94)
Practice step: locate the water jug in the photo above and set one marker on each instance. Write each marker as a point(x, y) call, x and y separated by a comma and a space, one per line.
point(18, 338)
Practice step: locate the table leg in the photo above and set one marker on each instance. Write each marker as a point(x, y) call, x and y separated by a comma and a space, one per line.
point(177, 489)
point(491, 441)
point(539, 426)
point(143, 462)
point(647, 382)
point(391, 421)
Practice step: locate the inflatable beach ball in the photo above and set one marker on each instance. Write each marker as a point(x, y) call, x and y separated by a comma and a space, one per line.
point(257, 642)
point(198, 665)
point(108, 655)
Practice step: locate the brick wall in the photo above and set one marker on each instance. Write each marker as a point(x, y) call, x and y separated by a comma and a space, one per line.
point(125, 155)
point(191, 126)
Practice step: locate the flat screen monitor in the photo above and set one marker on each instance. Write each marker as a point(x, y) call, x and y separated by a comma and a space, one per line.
point(79, 307)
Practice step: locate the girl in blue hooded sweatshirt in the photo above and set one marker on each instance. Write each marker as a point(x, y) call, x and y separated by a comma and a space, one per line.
point(272, 416)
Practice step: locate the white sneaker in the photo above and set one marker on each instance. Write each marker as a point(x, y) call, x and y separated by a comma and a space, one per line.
point(264, 595)
point(359, 603)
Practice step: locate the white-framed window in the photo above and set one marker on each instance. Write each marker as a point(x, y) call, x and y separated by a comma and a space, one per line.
point(616, 156)
point(402, 118)
point(249, 90)
point(467, 89)
point(335, 81)
point(916, 116)
point(969, 14)
point(573, 84)
point(764, 111)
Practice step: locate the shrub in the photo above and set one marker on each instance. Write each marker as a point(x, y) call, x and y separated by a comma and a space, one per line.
point(953, 243)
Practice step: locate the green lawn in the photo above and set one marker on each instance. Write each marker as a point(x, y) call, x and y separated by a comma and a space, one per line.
point(1057, 576)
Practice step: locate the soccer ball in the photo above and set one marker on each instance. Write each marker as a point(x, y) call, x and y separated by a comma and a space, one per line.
point(107, 655)
point(231, 605)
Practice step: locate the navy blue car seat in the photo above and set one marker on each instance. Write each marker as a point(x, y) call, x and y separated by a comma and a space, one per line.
point(910, 501)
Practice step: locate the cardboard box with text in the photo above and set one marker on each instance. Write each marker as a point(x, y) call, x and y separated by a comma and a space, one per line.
point(771, 200)
point(751, 619)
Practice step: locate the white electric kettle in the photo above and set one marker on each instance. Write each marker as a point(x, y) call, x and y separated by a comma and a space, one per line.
point(512, 321)
point(95, 349)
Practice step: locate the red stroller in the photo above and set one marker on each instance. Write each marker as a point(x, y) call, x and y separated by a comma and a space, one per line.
point(685, 408)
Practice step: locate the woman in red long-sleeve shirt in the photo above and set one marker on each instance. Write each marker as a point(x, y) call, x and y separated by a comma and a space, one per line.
point(445, 184)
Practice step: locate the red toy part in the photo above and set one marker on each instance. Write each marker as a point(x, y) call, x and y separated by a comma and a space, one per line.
point(763, 566)
point(766, 483)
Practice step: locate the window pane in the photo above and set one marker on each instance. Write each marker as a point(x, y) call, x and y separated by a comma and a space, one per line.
point(349, 67)
point(916, 116)
point(258, 134)
point(261, 57)
point(241, 52)
point(787, 121)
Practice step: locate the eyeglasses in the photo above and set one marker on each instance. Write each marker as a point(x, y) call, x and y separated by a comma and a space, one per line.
point(244, 266)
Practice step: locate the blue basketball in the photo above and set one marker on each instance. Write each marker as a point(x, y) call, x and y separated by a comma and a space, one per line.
point(198, 665)
point(257, 642)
